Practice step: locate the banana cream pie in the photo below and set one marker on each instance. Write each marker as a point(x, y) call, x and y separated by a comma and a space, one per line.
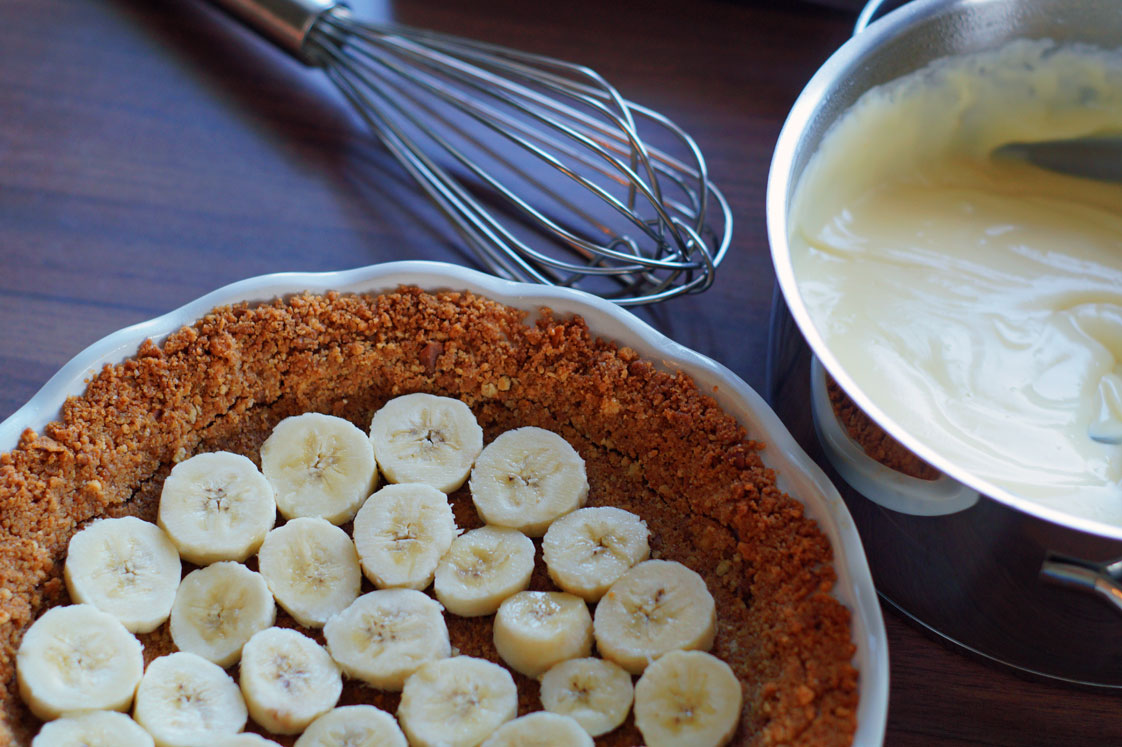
point(661, 466)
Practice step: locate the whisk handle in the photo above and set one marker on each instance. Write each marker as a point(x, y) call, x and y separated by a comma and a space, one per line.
point(284, 22)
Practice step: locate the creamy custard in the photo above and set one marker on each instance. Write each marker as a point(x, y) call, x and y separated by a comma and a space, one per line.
point(978, 299)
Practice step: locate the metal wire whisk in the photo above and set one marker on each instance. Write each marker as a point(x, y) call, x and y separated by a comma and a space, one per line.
point(499, 138)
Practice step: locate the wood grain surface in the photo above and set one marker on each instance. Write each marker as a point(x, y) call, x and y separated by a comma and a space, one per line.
point(153, 150)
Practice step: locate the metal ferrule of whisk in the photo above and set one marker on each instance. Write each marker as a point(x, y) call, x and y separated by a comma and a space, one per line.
point(284, 22)
point(548, 173)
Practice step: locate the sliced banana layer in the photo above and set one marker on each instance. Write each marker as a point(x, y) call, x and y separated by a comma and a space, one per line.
point(93, 729)
point(482, 568)
point(456, 702)
point(126, 567)
point(401, 532)
point(217, 506)
point(245, 739)
point(588, 550)
point(540, 729)
point(78, 658)
point(526, 478)
point(536, 629)
point(594, 692)
point(385, 636)
point(353, 726)
point(185, 701)
point(656, 607)
point(319, 465)
point(312, 569)
point(288, 680)
point(425, 438)
point(687, 699)
point(218, 609)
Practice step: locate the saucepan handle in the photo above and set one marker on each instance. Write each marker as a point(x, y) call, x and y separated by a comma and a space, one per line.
point(1104, 580)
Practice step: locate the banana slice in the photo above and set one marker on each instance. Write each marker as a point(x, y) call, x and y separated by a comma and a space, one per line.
point(425, 438)
point(312, 569)
point(594, 692)
point(540, 729)
point(319, 465)
point(656, 607)
point(185, 701)
point(526, 478)
point(536, 629)
point(93, 729)
point(588, 550)
point(78, 658)
point(353, 726)
point(401, 532)
point(482, 568)
point(456, 702)
point(126, 567)
point(288, 680)
point(687, 699)
point(385, 636)
point(245, 739)
point(218, 609)
point(217, 506)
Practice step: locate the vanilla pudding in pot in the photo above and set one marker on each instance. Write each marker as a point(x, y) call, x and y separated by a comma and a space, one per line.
point(979, 297)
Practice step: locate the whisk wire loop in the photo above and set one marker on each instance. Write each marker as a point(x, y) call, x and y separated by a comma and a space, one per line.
point(661, 228)
point(487, 239)
point(599, 94)
point(486, 85)
point(353, 91)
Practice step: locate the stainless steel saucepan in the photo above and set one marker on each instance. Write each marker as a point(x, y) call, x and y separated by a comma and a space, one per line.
point(1000, 575)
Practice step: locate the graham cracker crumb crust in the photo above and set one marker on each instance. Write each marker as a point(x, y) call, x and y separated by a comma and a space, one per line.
point(652, 444)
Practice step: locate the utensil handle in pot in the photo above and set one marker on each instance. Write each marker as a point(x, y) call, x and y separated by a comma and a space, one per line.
point(872, 11)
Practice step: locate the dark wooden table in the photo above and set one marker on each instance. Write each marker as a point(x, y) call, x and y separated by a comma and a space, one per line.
point(151, 151)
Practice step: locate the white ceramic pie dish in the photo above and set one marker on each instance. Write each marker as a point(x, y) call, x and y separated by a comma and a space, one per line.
point(797, 474)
